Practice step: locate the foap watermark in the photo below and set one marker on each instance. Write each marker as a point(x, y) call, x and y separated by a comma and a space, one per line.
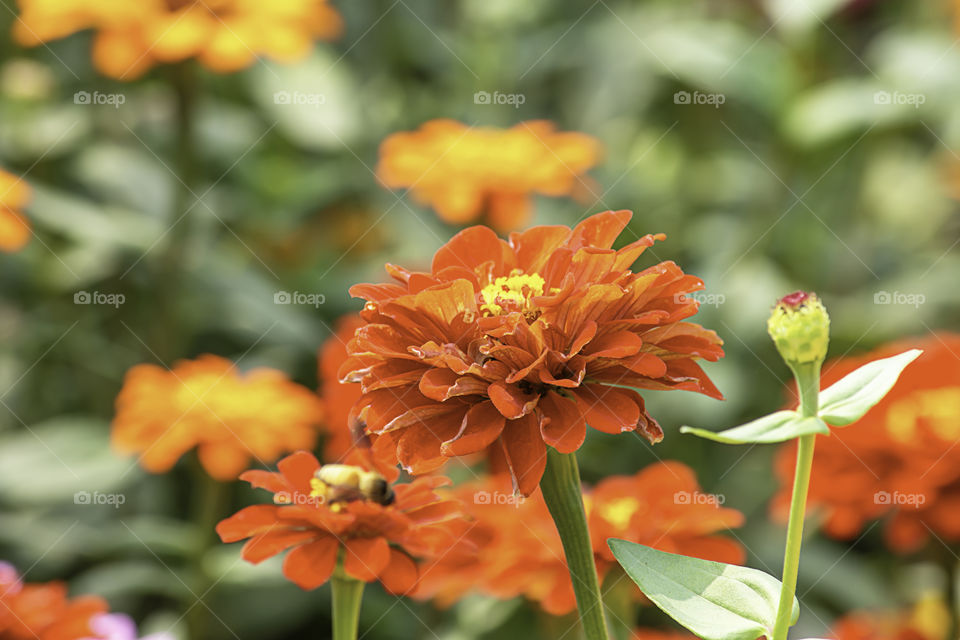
point(485, 97)
point(97, 297)
point(497, 497)
point(298, 297)
point(299, 98)
point(698, 97)
point(899, 97)
point(99, 498)
point(696, 497)
point(297, 498)
point(897, 498)
point(112, 99)
point(898, 297)
point(704, 298)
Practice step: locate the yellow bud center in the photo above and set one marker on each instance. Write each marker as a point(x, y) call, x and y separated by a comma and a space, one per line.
point(512, 293)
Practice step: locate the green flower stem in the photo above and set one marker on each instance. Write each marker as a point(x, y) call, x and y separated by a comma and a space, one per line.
point(561, 491)
point(808, 382)
point(347, 595)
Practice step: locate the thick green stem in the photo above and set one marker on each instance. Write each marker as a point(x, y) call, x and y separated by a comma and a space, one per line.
point(347, 595)
point(808, 383)
point(561, 492)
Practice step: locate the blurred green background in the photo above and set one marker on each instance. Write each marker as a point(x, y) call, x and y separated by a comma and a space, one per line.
point(830, 165)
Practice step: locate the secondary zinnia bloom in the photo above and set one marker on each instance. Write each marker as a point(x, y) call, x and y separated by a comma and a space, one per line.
point(521, 553)
point(206, 403)
point(899, 461)
point(14, 228)
point(929, 619)
point(343, 430)
point(510, 347)
point(379, 542)
point(224, 35)
point(43, 611)
point(656, 634)
point(466, 172)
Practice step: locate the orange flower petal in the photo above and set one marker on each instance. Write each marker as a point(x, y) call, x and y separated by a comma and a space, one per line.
point(481, 426)
point(266, 545)
point(608, 409)
point(399, 576)
point(312, 564)
point(525, 452)
point(365, 558)
point(563, 426)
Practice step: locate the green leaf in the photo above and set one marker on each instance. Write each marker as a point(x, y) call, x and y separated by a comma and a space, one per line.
point(776, 427)
point(856, 393)
point(715, 601)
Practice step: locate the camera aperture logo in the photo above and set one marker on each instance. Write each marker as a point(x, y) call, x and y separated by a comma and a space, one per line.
point(513, 99)
point(298, 297)
point(698, 97)
point(296, 498)
point(97, 297)
point(99, 498)
point(497, 497)
point(299, 98)
point(900, 98)
point(899, 499)
point(704, 298)
point(898, 297)
point(87, 98)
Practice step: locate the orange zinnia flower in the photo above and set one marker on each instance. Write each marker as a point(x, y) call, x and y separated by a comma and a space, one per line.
point(14, 228)
point(224, 35)
point(205, 403)
point(43, 611)
point(929, 619)
point(521, 553)
point(465, 172)
point(899, 460)
point(379, 542)
point(656, 634)
point(343, 429)
point(509, 347)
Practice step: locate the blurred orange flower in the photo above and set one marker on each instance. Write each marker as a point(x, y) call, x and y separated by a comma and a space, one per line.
point(465, 172)
point(929, 619)
point(656, 634)
point(224, 35)
point(14, 228)
point(900, 460)
point(506, 348)
point(343, 429)
point(43, 611)
point(205, 403)
point(521, 553)
point(379, 542)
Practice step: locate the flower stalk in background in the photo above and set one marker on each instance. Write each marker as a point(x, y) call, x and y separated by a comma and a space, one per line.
point(719, 601)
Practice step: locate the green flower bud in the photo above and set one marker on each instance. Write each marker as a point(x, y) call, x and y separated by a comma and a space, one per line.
point(800, 327)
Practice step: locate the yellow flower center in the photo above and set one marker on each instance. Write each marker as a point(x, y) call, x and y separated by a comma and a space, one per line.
point(511, 293)
point(619, 512)
point(939, 407)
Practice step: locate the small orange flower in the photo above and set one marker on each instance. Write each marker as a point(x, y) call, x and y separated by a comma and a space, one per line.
point(465, 172)
point(205, 403)
point(224, 35)
point(521, 553)
point(506, 348)
point(929, 619)
point(43, 611)
point(656, 634)
point(378, 542)
point(898, 460)
point(14, 228)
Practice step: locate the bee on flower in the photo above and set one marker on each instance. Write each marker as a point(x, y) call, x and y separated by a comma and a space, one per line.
point(505, 348)
point(320, 513)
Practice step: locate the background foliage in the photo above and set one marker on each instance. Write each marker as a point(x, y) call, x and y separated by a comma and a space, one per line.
point(802, 177)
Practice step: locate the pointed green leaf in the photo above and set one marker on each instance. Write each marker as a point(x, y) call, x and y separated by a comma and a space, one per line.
point(776, 427)
point(715, 601)
point(856, 393)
